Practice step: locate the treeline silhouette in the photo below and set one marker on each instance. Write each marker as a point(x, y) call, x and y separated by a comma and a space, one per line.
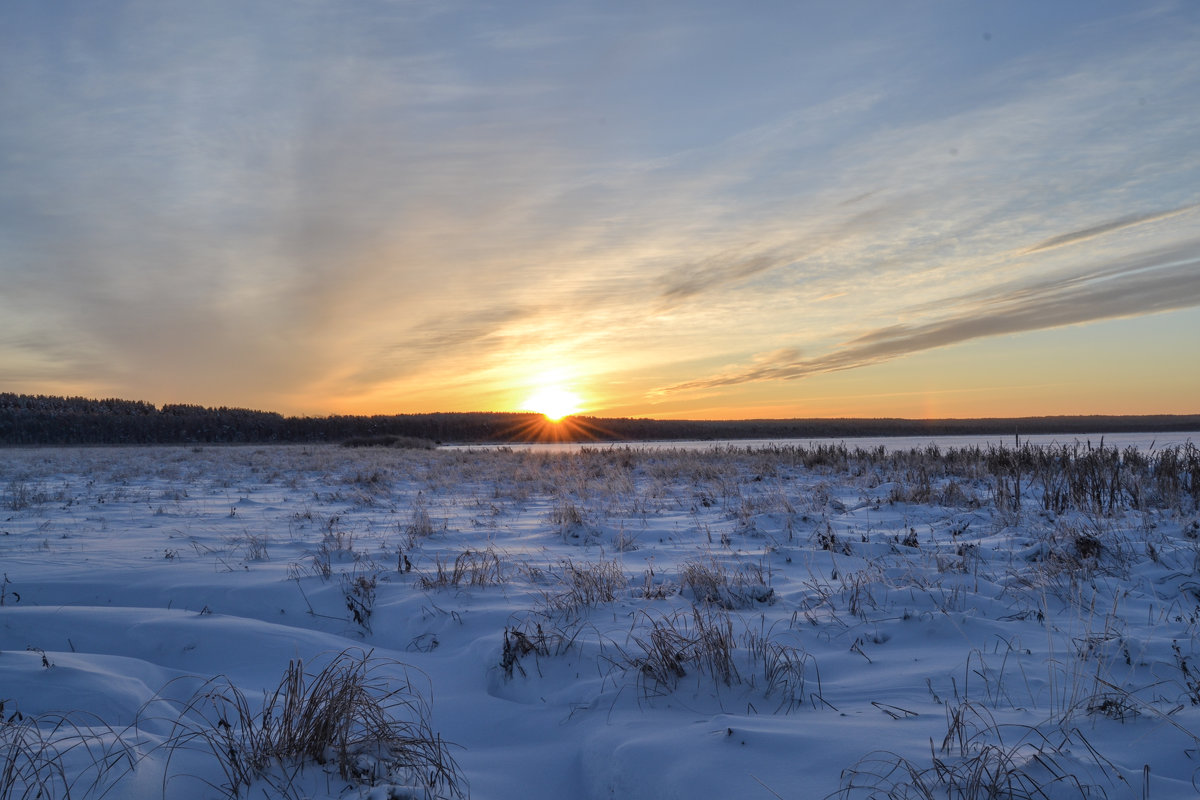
point(46, 420)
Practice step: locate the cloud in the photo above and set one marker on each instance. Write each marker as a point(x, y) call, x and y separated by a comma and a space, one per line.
point(695, 279)
point(447, 343)
point(1074, 237)
point(1162, 281)
point(470, 330)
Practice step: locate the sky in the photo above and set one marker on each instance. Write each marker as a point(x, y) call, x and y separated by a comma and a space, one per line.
point(650, 209)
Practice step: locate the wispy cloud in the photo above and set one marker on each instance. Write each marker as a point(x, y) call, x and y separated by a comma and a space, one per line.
point(1074, 237)
point(718, 270)
point(1162, 281)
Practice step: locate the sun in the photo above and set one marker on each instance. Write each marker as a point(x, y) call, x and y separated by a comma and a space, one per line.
point(553, 402)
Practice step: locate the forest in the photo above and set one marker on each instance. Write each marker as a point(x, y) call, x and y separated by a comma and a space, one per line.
point(48, 420)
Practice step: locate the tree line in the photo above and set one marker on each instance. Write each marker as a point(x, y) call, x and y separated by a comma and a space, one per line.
point(49, 420)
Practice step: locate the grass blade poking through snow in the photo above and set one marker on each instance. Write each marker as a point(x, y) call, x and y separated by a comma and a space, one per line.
point(59, 756)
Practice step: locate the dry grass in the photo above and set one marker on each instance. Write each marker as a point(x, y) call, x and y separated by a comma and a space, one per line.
point(586, 585)
point(975, 763)
point(387, 440)
point(358, 590)
point(478, 568)
point(419, 528)
point(358, 715)
point(529, 637)
point(569, 517)
point(669, 645)
point(59, 756)
point(711, 583)
point(785, 670)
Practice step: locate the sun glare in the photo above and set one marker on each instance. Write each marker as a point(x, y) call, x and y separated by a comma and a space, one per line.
point(553, 402)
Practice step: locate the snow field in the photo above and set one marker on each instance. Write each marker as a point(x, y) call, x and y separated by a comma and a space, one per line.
point(797, 622)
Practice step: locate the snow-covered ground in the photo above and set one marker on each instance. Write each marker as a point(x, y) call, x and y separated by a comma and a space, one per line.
point(611, 623)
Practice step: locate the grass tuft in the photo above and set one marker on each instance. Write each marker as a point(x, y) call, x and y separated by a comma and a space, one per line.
point(711, 583)
point(357, 715)
point(478, 568)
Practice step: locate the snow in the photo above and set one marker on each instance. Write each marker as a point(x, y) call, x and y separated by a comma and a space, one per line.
point(613, 622)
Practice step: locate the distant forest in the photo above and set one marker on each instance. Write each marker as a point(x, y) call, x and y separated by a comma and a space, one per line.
point(43, 420)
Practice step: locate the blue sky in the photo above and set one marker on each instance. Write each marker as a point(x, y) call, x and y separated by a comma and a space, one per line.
point(667, 209)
